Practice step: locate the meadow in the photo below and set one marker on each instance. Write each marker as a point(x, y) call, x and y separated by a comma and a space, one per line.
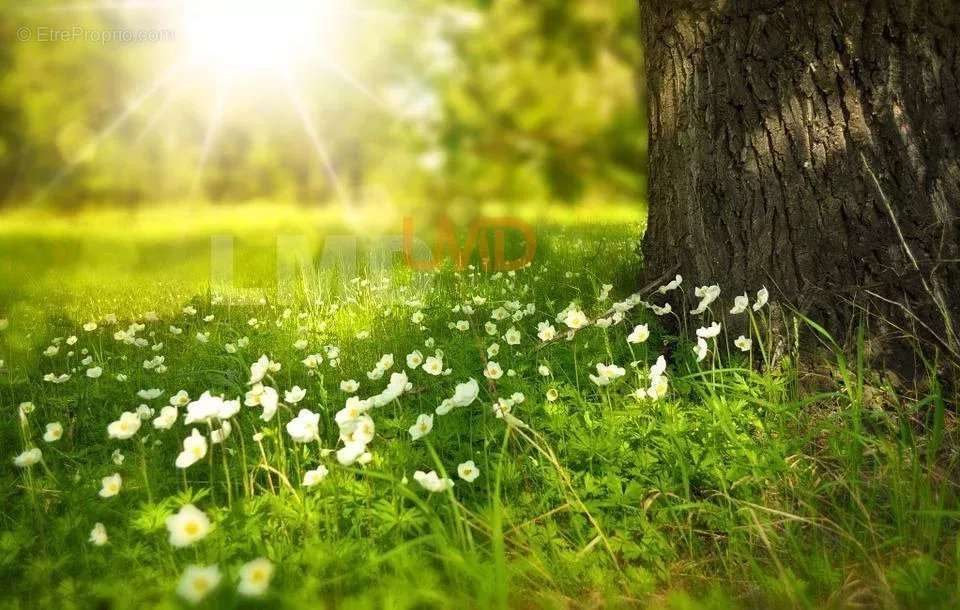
point(547, 437)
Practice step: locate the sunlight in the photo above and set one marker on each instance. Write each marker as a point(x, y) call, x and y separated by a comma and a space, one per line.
point(256, 35)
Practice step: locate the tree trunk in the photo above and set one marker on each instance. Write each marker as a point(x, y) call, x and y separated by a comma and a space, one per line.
point(810, 146)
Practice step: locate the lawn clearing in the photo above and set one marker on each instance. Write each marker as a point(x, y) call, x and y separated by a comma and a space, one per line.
point(362, 468)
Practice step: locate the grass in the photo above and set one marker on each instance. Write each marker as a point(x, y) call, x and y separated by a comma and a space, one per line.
point(748, 485)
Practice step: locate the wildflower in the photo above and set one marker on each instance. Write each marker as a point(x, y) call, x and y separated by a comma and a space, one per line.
point(422, 428)
point(493, 350)
point(499, 314)
point(465, 393)
point(294, 395)
point(709, 332)
point(190, 310)
point(468, 471)
point(350, 453)
point(263, 396)
point(640, 334)
point(707, 295)
point(492, 371)
point(312, 477)
point(414, 359)
point(117, 457)
point(150, 394)
point(203, 409)
point(95, 372)
point(700, 349)
point(259, 370)
point(546, 331)
point(606, 373)
point(301, 344)
point(187, 526)
point(553, 394)
point(762, 296)
point(90, 327)
point(575, 319)
point(463, 325)
point(194, 450)
point(743, 344)
point(144, 412)
point(304, 428)
point(313, 361)
point(166, 419)
point(349, 386)
point(417, 317)
point(203, 337)
point(98, 535)
point(672, 285)
point(28, 457)
point(433, 365)
point(175, 330)
point(543, 370)
point(512, 336)
point(197, 582)
point(431, 481)
point(221, 434)
point(180, 399)
point(661, 311)
point(110, 486)
point(54, 432)
point(125, 427)
point(255, 577)
point(740, 304)
point(490, 328)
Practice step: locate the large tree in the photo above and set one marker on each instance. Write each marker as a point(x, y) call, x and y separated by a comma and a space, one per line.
point(812, 146)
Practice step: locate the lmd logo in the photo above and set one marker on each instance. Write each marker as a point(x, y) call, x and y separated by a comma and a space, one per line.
point(446, 245)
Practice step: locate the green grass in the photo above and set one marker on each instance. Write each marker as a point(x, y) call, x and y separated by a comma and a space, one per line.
point(795, 487)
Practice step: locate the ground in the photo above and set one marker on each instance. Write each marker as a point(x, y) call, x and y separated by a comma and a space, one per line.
point(728, 482)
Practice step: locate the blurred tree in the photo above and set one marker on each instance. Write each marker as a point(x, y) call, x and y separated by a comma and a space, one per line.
point(812, 147)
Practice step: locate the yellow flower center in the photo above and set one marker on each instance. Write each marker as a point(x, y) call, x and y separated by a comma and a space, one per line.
point(192, 528)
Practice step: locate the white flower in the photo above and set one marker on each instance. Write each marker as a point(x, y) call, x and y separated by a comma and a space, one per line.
point(417, 317)
point(259, 369)
point(98, 535)
point(700, 349)
point(543, 370)
point(743, 344)
point(176, 331)
point(294, 395)
point(422, 428)
point(490, 328)
point(493, 350)
point(180, 399)
point(553, 394)
point(350, 453)
point(255, 577)
point(707, 295)
point(28, 457)
point(117, 457)
point(349, 386)
point(110, 486)
point(414, 359)
point(301, 344)
point(90, 327)
point(465, 393)
point(640, 334)
point(51, 351)
point(312, 477)
point(433, 365)
point(575, 319)
point(194, 450)
point(144, 412)
point(492, 370)
point(386, 362)
point(499, 314)
point(512, 336)
point(54, 432)
point(672, 285)
point(546, 331)
point(197, 582)
point(95, 372)
point(166, 419)
point(203, 337)
point(313, 361)
point(462, 325)
point(762, 296)
point(304, 428)
point(187, 526)
point(709, 332)
point(150, 394)
point(125, 427)
point(740, 304)
point(190, 310)
point(263, 396)
point(221, 434)
point(468, 471)
point(606, 373)
point(431, 481)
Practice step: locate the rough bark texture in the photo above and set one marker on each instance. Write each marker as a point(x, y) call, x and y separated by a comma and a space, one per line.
point(807, 145)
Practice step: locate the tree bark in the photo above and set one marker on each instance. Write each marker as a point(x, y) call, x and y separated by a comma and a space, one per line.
point(810, 146)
